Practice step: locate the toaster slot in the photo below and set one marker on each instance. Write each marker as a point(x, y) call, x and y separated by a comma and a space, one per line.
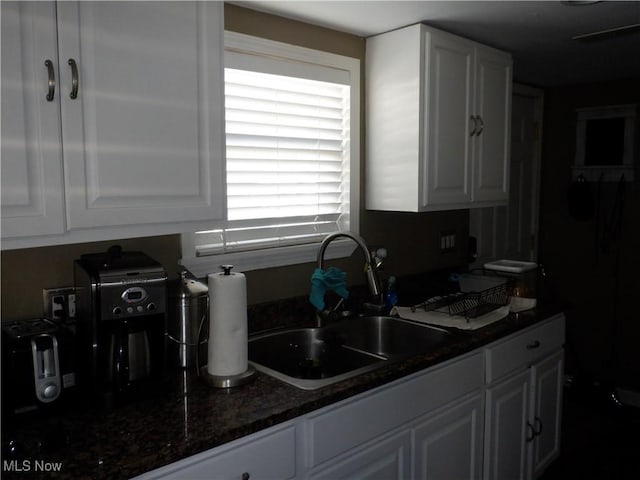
point(46, 367)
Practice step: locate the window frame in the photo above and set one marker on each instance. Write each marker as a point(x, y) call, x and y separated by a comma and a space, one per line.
point(606, 173)
point(294, 254)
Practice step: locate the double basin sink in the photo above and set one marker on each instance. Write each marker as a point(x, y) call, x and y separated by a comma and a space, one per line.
point(311, 358)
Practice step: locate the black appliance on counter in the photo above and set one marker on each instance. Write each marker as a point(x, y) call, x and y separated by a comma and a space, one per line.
point(121, 324)
point(37, 366)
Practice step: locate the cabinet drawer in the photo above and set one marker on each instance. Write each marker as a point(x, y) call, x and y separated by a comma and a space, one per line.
point(265, 455)
point(334, 430)
point(523, 348)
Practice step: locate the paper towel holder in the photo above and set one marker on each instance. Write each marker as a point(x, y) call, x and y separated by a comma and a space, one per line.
point(226, 381)
point(221, 381)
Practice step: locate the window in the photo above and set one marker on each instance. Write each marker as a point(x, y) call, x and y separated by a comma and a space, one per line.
point(292, 152)
point(605, 143)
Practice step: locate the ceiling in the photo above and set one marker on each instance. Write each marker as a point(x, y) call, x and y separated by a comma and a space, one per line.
point(537, 33)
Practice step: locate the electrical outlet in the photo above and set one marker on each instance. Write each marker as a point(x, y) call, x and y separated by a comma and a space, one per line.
point(447, 242)
point(59, 303)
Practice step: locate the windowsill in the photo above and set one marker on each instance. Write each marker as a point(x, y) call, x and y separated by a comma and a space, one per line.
point(268, 258)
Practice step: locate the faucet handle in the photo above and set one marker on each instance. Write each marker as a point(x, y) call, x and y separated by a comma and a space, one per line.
point(377, 256)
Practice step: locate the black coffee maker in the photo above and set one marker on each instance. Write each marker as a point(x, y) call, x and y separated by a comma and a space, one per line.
point(121, 300)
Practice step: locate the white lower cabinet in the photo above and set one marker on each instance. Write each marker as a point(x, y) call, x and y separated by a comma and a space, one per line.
point(547, 402)
point(523, 407)
point(493, 413)
point(506, 432)
point(448, 443)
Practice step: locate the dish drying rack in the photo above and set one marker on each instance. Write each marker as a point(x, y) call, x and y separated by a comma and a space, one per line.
point(468, 304)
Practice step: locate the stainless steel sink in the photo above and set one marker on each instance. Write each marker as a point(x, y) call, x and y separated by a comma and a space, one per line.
point(311, 358)
point(389, 336)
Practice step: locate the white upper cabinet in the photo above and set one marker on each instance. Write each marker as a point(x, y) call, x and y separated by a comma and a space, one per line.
point(492, 149)
point(139, 92)
point(140, 134)
point(32, 188)
point(438, 119)
point(448, 69)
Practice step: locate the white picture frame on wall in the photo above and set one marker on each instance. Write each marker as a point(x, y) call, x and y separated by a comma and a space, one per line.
point(605, 138)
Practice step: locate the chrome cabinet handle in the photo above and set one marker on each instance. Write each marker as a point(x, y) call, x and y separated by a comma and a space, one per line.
point(531, 432)
point(475, 125)
point(479, 119)
point(74, 79)
point(52, 80)
point(533, 345)
point(538, 423)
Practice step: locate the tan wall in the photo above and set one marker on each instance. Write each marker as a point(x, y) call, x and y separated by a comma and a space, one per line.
point(27, 271)
point(411, 239)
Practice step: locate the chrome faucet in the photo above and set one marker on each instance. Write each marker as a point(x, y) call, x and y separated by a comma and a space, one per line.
point(371, 265)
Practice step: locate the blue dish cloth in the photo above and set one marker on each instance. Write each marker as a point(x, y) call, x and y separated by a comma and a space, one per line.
point(324, 280)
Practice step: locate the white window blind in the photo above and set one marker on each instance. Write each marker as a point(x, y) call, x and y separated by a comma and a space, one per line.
point(293, 157)
point(288, 155)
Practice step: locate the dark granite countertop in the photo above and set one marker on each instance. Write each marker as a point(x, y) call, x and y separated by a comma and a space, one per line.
point(192, 417)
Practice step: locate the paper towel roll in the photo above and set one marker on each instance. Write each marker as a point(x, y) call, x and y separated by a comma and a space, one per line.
point(227, 349)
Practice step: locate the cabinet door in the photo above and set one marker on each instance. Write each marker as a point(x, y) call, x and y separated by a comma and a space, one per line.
point(507, 431)
point(449, 443)
point(143, 139)
point(547, 401)
point(32, 193)
point(493, 115)
point(449, 103)
point(387, 459)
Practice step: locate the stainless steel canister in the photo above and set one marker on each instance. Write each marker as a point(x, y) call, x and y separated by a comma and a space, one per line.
point(189, 327)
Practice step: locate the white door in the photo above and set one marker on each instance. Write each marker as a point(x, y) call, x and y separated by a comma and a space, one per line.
point(493, 117)
point(32, 193)
point(508, 431)
point(448, 445)
point(522, 214)
point(547, 402)
point(143, 139)
point(511, 231)
point(449, 103)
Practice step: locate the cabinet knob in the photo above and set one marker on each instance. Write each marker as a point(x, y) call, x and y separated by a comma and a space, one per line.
point(52, 80)
point(245, 476)
point(533, 345)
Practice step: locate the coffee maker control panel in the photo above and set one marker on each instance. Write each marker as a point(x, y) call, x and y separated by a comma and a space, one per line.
point(126, 300)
